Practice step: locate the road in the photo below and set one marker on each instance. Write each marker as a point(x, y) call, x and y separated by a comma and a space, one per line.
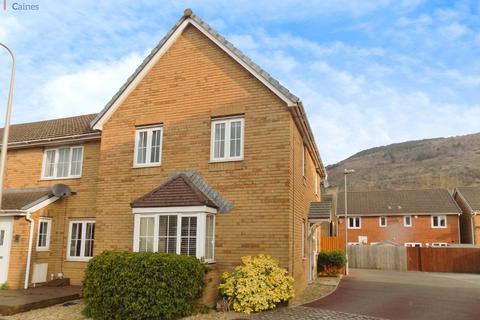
point(406, 295)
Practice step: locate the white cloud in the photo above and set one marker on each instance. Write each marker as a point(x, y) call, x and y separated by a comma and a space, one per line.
point(453, 30)
point(85, 91)
point(9, 26)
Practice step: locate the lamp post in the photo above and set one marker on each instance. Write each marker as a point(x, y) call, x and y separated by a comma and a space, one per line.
point(6, 129)
point(346, 172)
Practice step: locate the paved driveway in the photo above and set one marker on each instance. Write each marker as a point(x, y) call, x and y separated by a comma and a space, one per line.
point(406, 295)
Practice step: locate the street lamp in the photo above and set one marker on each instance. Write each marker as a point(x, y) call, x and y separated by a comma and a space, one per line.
point(6, 129)
point(346, 172)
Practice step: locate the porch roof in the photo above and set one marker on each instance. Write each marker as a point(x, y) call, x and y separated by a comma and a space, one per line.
point(321, 209)
point(24, 199)
point(181, 189)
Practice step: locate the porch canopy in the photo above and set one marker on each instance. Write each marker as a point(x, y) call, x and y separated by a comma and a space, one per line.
point(31, 199)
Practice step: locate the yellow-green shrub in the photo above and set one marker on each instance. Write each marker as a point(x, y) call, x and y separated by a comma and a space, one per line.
point(259, 284)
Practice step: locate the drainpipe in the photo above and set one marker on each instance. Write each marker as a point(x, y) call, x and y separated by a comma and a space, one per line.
point(28, 217)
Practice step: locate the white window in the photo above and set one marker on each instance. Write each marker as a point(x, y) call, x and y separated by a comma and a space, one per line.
point(81, 237)
point(64, 162)
point(439, 244)
point(148, 147)
point(413, 244)
point(354, 243)
point(44, 231)
point(382, 221)
point(354, 223)
point(439, 221)
point(189, 233)
point(407, 221)
point(227, 139)
point(363, 239)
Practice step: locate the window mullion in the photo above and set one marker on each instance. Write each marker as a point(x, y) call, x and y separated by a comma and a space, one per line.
point(156, 226)
point(83, 238)
point(55, 163)
point(179, 233)
point(227, 138)
point(149, 146)
point(69, 167)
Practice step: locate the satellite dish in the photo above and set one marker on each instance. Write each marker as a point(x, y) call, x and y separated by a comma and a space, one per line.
point(61, 190)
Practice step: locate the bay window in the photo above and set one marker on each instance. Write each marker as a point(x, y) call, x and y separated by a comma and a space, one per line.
point(62, 163)
point(227, 139)
point(190, 233)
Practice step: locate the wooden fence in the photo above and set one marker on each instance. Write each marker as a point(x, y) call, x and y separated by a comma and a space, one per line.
point(384, 257)
point(464, 260)
point(331, 243)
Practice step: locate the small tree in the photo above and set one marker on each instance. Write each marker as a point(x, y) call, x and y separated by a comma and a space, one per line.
point(331, 262)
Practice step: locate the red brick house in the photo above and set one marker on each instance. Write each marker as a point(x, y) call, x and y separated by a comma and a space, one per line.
point(422, 217)
point(201, 152)
point(468, 199)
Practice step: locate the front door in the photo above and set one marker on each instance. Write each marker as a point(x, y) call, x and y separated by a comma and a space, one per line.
point(6, 224)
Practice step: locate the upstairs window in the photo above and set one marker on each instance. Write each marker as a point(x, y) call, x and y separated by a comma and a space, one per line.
point(439, 221)
point(407, 221)
point(383, 221)
point(354, 223)
point(62, 163)
point(148, 147)
point(227, 139)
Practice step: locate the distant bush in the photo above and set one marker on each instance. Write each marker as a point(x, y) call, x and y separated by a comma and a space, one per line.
point(257, 285)
point(331, 262)
point(133, 285)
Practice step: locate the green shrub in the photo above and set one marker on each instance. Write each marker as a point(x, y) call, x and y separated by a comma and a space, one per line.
point(259, 284)
point(4, 286)
point(132, 285)
point(331, 262)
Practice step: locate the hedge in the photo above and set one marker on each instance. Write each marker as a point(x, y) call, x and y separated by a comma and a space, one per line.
point(331, 262)
point(133, 285)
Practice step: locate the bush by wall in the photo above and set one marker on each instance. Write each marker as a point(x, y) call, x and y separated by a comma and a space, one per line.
point(259, 284)
point(331, 262)
point(133, 285)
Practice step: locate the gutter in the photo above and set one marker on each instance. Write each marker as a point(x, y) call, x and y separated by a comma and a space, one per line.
point(49, 141)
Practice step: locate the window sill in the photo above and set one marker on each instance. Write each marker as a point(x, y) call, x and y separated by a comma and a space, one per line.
point(43, 249)
point(225, 160)
point(78, 259)
point(62, 178)
point(146, 166)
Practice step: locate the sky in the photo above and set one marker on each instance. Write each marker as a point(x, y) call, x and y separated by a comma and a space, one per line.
point(369, 73)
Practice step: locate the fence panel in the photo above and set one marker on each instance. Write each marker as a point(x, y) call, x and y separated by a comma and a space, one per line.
point(331, 243)
point(378, 257)
point(462, 260)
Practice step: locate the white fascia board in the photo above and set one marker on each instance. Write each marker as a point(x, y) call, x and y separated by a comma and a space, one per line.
point(42, 204)
point(161, 52)
point(192, 209)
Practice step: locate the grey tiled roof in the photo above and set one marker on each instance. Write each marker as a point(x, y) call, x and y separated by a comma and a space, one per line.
point(23, 199)
point(276, 84)
point(472, 196)
point(50, 129)
point(321, 209)
point(420, 201)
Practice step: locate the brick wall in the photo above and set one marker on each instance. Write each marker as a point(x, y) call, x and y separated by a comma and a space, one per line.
point(420, 231)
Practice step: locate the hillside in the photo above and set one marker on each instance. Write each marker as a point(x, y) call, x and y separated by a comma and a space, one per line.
point(440, 162)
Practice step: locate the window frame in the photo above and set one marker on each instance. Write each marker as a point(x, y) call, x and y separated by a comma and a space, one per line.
point(439, 244)
point(55, 167)
point(438, 226)
point(227, 122)
point(82, 257)
point(405, 221)
point(413, 244)
point(48, 234)
point(180, 212)
point(355, 227)
point(380, 222)
point(149, 130)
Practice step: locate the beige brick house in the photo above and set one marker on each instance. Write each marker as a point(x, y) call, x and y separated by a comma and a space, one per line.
point(201, 152)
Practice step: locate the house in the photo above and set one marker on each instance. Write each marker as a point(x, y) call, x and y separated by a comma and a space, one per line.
point(200, 152)
point(468, 199)
point(416, 218)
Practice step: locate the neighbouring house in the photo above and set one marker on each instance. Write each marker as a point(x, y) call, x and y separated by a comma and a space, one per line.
point(416, 218)
point(200, 152)
point(468, 199)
